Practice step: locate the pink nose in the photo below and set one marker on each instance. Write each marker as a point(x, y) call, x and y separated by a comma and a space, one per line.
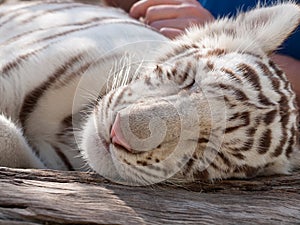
point(117, 136)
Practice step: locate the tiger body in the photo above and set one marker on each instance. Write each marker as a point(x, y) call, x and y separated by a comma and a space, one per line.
point(209, 105)
point(37, 34)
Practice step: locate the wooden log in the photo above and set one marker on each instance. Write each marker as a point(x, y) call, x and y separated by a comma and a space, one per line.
point(56, 197)
point(29, 197)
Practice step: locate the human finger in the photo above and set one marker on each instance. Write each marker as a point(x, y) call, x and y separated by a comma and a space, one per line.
point(170, 32)
point(162, 12)
point(139, 9)
point(178, 23)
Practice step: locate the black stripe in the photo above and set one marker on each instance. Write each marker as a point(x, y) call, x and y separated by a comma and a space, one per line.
point(27, 5)
point(232, 75)
point(239, 156)
point(187, 73)
point(63, 158)
point(22, 35)
point(224, 159)
point(265, 142)
point(31, 99)
point(250, 75)
point(15, 14)
point(188, 166)
point(245, 147)
point(16, 63)
point(202, 140)
point(278, 72)
point(201, 175)
point(42, 13)
point(216, 52)
point(101, 22)
point(247, 170)
point(239, 94)
point(270, 116)
point(244, 117)
point(279, 148)
point(252, 54)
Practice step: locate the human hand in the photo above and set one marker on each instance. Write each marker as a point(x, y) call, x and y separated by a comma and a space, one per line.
point(171, 17)
point(126, 5)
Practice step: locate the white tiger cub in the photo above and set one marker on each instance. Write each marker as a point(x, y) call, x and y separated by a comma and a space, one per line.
point(209, 105)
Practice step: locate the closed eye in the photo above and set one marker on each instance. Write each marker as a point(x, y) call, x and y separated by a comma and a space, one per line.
point(189, 86)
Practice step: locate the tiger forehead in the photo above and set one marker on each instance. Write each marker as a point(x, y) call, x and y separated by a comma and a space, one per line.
point(200, 52)
point(184, 68)
point(194, 57)
point(193, 50)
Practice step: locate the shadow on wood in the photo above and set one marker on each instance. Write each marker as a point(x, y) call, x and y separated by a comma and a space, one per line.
point(56, 197)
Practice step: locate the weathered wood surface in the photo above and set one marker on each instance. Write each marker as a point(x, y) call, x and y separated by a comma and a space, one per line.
point(30, 197)
point(55, 197)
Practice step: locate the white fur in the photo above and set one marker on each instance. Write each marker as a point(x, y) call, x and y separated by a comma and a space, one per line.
point(97, 43)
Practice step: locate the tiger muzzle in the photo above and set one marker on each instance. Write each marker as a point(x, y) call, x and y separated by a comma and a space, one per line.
point(145, 126)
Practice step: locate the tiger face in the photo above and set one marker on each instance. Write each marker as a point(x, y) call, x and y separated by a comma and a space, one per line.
point(210, 107)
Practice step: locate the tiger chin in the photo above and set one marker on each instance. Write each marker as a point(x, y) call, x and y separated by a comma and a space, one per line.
point(210, 105)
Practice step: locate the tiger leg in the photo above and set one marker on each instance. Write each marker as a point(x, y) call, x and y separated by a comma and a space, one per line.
point(14, 149)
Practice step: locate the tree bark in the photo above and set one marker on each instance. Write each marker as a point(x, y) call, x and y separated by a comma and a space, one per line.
point(56, 197)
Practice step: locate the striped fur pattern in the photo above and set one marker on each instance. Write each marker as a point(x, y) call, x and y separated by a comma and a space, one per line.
point(209, 105)
point(45, 50)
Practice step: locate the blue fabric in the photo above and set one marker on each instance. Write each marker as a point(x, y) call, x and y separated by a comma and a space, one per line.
point(220, 8)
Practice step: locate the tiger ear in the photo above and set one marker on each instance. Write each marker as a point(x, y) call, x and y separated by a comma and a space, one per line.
point(269, 27)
